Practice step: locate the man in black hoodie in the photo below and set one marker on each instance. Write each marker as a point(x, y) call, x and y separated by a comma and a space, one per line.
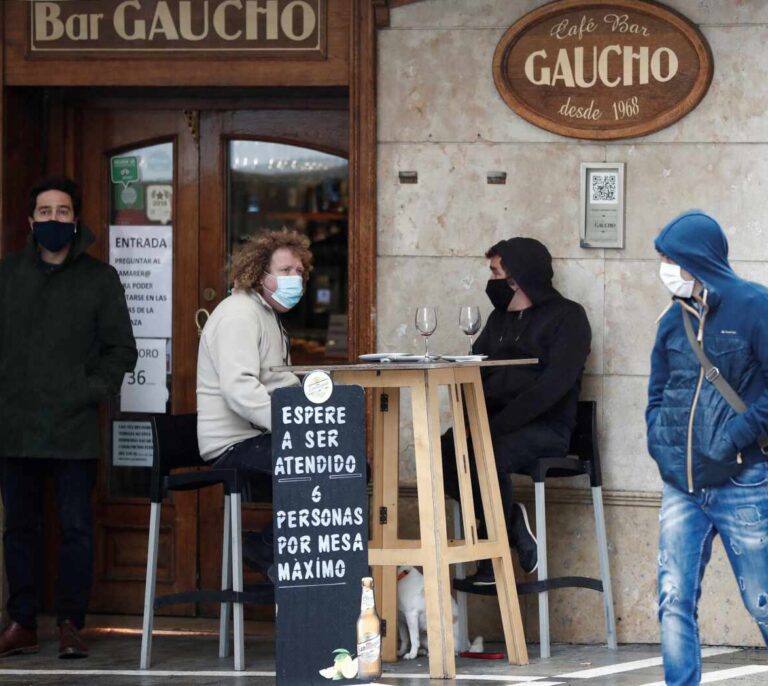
point(531, 409)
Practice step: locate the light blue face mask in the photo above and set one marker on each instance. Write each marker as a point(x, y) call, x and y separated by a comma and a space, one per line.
point(289, 290)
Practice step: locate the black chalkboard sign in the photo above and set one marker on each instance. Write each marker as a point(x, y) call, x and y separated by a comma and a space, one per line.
point(320, 514)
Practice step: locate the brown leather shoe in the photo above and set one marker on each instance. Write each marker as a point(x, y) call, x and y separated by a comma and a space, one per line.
point(71, 644)
point(16, 640)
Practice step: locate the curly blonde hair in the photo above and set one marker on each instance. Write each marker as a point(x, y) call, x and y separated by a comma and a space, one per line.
point(251, 261)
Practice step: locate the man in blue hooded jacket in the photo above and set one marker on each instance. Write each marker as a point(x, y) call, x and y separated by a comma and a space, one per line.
point(709, 455)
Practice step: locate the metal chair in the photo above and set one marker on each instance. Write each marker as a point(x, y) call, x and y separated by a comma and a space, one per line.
point(583, 458)
point(174, 447)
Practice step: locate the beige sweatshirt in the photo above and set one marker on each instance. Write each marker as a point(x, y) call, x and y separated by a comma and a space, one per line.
point(241, 340)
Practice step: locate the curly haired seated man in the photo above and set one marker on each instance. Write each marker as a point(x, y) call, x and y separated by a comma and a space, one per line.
point(240, 343)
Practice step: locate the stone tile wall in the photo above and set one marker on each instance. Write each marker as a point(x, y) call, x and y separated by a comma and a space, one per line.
point(440, 115)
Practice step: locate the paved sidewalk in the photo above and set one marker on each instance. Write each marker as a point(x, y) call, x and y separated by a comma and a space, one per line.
point(190, 658)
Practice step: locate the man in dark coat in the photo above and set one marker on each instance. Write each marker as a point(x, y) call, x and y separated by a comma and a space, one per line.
point(531, 409)
point(65, 344)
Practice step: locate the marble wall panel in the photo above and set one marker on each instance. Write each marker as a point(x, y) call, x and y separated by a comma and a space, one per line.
point(582, 281)
point(421, 100)
point(448, 283)
point(634, 298)
point(632, 549)
point(461, 14)
point(484, 13)
point(728, 181)
point(752, 271)
point(438, 85)
point(627, 466)
point(454, 282)
point(452, 210)
point(576, 614)
point(733, 109)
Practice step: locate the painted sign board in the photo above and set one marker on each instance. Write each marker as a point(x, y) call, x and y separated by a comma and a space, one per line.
point(320, 514)
point(269, 28)
point(602, 69)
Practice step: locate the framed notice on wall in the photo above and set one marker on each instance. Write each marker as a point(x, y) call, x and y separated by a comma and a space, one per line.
point(602, 205)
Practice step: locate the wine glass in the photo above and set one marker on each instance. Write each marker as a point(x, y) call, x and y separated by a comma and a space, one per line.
point(426, 323)
point(469, 322)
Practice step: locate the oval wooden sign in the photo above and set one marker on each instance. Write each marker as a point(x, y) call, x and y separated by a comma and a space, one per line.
point(602, 70)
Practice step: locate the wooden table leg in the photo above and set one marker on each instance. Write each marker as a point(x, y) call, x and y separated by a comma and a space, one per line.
point(384, 510)
point(432, 521)
point(494, 517)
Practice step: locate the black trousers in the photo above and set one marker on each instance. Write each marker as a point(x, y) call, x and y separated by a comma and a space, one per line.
point(513, 452)
point(21, 483)
point(253, 459)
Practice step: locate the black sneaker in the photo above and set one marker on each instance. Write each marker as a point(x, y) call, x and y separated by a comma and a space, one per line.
point(483, 575)
point(522, 539)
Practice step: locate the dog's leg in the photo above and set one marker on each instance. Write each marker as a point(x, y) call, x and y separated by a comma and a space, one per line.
point(412, 618)
point(402, 632)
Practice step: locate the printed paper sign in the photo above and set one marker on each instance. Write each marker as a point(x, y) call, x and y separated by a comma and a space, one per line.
point(131, 444)
point(143, 257)
point(144, 389)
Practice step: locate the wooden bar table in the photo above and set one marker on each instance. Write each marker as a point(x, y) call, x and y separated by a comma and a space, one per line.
point(434, 551)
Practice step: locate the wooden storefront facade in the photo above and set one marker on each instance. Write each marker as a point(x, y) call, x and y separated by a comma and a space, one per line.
point(69, 106)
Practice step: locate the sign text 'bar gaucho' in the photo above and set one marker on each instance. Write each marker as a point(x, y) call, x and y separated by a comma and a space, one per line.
point(603, 69)
point(281, 27)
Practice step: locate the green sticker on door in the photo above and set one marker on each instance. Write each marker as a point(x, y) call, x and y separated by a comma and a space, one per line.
point(125, 169)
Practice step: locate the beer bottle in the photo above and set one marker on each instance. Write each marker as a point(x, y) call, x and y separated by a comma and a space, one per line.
point(368, 635)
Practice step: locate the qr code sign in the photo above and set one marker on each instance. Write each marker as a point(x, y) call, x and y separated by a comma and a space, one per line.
point(604, 187)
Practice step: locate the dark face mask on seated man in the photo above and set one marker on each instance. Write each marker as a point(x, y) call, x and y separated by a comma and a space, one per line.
point(499, 293)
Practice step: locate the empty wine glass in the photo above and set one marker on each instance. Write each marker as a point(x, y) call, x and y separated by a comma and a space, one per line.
point(469, 322)
point(426, 323)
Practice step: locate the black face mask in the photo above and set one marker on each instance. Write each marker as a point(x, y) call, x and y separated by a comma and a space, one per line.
point(53, 235)
point(499, 293)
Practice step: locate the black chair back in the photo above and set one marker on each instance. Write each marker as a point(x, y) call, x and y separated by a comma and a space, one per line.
point(584, 443)
point(174, 445)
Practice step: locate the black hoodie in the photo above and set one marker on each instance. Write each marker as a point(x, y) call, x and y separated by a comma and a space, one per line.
point(554, 329)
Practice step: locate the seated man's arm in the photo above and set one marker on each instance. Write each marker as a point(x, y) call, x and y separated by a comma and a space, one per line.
point(234, 350)
point(564, 364)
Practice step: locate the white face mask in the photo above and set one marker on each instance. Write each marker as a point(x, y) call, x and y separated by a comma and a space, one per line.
point(672, 277)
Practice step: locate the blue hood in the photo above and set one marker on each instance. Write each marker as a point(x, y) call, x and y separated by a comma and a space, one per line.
point(695, 241)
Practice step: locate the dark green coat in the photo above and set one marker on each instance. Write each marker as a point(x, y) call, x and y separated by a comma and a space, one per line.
point(65, 343)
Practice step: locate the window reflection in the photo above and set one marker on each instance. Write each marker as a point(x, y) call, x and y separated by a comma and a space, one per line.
point(272, 185)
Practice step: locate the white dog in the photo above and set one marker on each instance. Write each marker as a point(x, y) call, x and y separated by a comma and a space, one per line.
point(412, 616)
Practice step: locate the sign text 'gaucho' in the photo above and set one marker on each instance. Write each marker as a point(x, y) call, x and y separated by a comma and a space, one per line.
point(602, 70)
point(177, 25)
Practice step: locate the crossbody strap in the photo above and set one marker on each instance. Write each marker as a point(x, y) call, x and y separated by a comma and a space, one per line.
point(712, 374)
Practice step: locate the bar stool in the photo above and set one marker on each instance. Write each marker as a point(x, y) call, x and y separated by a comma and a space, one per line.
point(583, 458)
point(174, 447)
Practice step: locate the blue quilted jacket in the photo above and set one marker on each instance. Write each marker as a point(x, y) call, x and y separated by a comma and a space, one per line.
point(695, 437)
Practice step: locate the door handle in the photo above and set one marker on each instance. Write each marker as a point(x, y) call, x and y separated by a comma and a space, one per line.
point(209, 294)
point(201, 317)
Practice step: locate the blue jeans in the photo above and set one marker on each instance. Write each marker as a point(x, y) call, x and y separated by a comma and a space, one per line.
point(738, 512)
point(21, 482)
